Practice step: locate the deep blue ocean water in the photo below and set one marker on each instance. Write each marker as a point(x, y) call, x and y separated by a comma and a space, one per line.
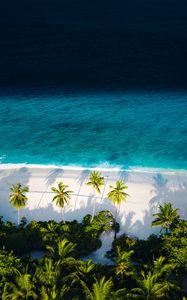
point(100, 83)
point(92, 129)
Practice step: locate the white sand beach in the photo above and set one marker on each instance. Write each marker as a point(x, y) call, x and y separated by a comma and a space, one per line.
point(147, 189)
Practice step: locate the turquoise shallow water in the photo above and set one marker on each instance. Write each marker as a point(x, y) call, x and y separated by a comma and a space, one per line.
point(147, 129)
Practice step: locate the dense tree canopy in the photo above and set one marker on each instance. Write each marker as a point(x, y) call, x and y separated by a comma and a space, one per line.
point(138, 269)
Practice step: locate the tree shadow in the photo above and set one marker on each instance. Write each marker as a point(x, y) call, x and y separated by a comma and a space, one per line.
point(43, 214)
point(142, 228)
point(7, 178)
point(125, 221)
point(124, 175)
point(165, 190)
point(84, 176)
point(81, 179)
point(85, 206)
point(53, 174)
point(160, 181)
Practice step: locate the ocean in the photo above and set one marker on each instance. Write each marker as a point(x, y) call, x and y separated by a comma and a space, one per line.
point(89, 129)
point(76, 95)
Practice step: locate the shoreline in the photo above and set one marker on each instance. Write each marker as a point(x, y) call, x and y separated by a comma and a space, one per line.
point(148, 188)
point(151, 170)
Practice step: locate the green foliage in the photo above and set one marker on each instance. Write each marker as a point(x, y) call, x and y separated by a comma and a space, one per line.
point(151, 247)
point(53, 293)
point(20, 239)
point(47, 272)
point(96, 180)
point(62, 249)
point(22, 288)
point(124, 242)
point(85, 268)
point(9, 264)
point(102, 221)
point(101, 289)
point(142, 269)
point(175, 245)
point(49, 232)
point(118, 194)
point(145, 250)
point(149, 288)
point(17, 197)
point(166, 217)
point(123, 263)
point(62, 196)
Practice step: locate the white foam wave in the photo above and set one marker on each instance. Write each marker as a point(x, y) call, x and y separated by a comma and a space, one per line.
point(100, 167)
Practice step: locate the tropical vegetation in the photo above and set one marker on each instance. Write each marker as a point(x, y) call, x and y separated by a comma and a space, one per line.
point(166, 216)
point(139, 269)
point(118, 195)
point(96, 181)
point(18, 198)
point(62, 196)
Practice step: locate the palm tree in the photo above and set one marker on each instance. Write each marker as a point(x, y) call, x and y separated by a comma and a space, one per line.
point(118, 195)
point(22, 289)
point(96, 181)
point(49, 233)
point(47, 273)
point(123, 262)
point(54, 292)
point(17, 197)
point(166, 217)
point(160, 267)
point(101, 289)
point(149, 288)
point(85, 269)
point(62, 250)
point(62, 196)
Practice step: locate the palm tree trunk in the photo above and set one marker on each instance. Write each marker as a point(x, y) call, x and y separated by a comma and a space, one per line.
point(115, 233)
point(18, 217)
point(94, 204)
point(63, 219)
point(93, 212)
point(119, 208)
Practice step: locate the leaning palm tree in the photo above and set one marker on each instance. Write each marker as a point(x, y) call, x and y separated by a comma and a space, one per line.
point(166, 216)
point(62, 196)
point(17, 197)
point(96, 181)
point(118, 195)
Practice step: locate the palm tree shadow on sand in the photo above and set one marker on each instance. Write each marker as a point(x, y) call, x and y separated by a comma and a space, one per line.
point(81, 180)
point(43, 214)
point(53, 175)
point(124, 175)
point(51, 178)
point(164, 191)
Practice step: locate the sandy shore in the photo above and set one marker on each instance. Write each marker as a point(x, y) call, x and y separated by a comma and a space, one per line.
point(147, 188)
